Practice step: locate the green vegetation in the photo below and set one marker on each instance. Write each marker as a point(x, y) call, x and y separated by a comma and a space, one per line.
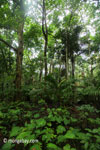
point(72, 128)
point(49, 75)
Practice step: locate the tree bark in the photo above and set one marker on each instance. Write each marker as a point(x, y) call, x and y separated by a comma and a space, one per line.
point(59, 70)
point(66, 62)
point(41, 71)
point(50, 67)
point(73, 66)
point(19, 53)
point(45, 57)
point(45, 34)
point(91, 67)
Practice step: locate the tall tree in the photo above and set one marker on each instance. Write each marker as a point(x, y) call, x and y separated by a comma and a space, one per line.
point(18, 10)
point(20, 49)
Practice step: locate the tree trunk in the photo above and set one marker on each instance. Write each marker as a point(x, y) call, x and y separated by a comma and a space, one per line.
point(45, 57)
point(19, 50)
point(50, 71)
point(73, 66)
point(66, 62)
point(53, 67)
point(91, 67)
point(19, 53)
point(60, 70)
point(41, 71)
point(45, 34)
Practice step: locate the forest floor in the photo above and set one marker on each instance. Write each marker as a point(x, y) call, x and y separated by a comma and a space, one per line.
point(55, 128)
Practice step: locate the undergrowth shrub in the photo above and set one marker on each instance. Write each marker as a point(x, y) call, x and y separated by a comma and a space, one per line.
point(54, 92)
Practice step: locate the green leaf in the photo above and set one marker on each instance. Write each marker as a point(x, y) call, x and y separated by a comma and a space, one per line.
point(8, 146)
point(49, 124)
point(30, 126)
point(36, 115)
point(60, 129)
point(67, 147)
point(60, 138)
point(81, 136)
point(40, 123)
point(58, 119)
point(73, 119)
point(70, 135)
point(48, 136)
point(86, 145)
point(66, 121)
point(24, 135)
point(15, 131)
point(38, 132)
point(36, 146)
point(95, 130)
point(1, 114)
point(52, 146)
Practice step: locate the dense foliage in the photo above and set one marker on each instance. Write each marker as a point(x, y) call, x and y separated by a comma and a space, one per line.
point(71, 128)
point(49, 75)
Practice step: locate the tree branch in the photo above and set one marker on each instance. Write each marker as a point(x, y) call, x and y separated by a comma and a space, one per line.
point(6, 43)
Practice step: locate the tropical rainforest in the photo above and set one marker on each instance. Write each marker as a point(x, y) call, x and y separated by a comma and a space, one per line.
point(49, 75)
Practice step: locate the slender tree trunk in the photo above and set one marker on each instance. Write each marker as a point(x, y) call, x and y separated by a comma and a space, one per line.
point(66, 62)
point(50, 68)
point(53, 67)
point(45, 34)
point(41, 71)
point(45, 57)
point(10, 66)
point(91, 67)
point(73, 66)
point(60, 70)
point(91, 62)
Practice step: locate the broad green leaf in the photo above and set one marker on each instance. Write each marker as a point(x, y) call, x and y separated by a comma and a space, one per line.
point(66, 121)
point(40, 123)
point(15, 131)
point(67, 147)
point(70, 135)
point(86, 145)
point(52, 146)
point(36, 147)
point(8, 146)
point(60, 138)
point(24, 135)
point(60, 129)
point(36, 115)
